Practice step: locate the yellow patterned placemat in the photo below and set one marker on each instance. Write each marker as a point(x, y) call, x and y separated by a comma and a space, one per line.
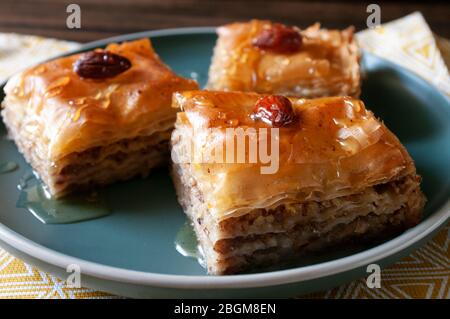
point(423, 274)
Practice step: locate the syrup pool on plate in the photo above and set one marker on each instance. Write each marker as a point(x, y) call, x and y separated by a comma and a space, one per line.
point(7, 167)
point(187, 244)
point(73, 208)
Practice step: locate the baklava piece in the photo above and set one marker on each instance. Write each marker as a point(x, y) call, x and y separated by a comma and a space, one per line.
point(272, 58)
point(94, 118)
point(340, 176)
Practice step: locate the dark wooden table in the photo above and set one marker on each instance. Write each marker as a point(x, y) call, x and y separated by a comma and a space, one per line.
point(104, 18)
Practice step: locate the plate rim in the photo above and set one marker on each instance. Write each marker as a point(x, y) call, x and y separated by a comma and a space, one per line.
point(280, 277)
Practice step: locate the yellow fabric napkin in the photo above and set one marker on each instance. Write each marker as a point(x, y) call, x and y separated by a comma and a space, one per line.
point(410, 43)
point(424, 274)
point(18, 52)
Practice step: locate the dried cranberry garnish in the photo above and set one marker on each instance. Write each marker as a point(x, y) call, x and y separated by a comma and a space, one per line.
point(279, 38)
point(100, 65)
point(275, 110)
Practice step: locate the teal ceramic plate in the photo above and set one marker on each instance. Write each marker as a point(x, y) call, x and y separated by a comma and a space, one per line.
point(131, 252)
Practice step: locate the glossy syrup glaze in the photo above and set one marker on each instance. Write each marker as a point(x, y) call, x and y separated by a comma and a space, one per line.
point(318, 62)
point(35, 198)
point(187, 245)
point(326, 129)
point(75, 113)
point(335, 147)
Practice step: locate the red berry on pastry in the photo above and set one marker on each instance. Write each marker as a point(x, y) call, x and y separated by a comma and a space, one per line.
point(275, 110)
point(279, 38)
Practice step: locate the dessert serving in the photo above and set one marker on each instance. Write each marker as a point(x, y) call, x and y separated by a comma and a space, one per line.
point(278, 158)
point(341, 176)
point(267, 57)
point(94, 118)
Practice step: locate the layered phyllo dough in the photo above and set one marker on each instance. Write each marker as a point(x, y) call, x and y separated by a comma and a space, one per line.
point(312, 174)
point(94, 118)
point(265, 57)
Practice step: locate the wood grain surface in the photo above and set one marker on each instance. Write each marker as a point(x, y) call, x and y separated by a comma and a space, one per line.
point(104, 18)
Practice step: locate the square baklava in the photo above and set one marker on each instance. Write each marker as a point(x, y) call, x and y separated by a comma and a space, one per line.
point(266, 57)
point(94, 118)
point(340, 175)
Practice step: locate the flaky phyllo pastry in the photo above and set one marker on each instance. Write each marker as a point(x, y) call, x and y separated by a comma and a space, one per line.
point(341, 176)
point(265, 57)
point(93, 118)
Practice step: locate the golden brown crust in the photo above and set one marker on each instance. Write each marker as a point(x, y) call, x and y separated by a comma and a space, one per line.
point(75, 114)
point(335, 148)
point(326, 65)
point(61, 121)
